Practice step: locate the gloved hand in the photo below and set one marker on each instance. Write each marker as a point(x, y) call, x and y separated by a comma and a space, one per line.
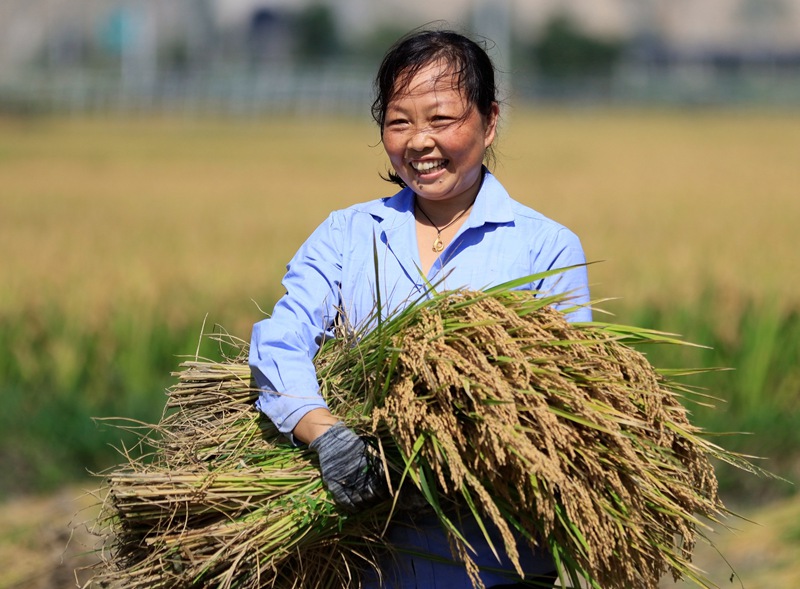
point(351, 470)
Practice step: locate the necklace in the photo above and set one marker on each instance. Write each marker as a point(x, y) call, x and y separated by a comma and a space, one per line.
point(438, 244)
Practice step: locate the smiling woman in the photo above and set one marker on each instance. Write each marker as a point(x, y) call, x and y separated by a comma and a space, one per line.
point(437, 112)
point(435, 139)
point(436, 142)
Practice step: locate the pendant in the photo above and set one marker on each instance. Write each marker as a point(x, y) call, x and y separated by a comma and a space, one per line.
point(438, 245)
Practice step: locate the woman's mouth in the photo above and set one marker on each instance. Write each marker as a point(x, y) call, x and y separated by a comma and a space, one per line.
point(429, 166)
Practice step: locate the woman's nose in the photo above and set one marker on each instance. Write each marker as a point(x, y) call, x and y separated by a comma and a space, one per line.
point(421, 139)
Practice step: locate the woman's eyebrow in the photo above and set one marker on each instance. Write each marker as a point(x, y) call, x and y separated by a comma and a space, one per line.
point(437, 102)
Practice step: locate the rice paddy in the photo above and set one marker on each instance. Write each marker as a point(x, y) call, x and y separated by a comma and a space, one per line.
point(191, 216)
point(119, 236)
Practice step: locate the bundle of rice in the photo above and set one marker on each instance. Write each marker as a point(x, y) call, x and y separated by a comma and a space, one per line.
point(487, 402)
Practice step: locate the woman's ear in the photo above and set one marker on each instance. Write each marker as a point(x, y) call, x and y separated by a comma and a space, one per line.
point(491, 125)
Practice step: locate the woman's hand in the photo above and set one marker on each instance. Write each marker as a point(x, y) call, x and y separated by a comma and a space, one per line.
point(351, 469)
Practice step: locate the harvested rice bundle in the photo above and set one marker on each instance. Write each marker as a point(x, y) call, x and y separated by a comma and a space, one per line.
point(486, 402)
point(222, 499)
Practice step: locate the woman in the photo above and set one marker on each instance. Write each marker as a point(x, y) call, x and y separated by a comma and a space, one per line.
point(452, 224)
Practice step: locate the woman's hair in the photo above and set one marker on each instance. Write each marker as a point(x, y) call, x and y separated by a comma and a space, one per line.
point(467, 61)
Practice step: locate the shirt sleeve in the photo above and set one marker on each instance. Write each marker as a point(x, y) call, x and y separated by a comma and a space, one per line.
point(564, 250)
point(283, 346)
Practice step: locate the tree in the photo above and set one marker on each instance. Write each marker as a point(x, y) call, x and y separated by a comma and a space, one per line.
point(564, 50)
point(316, 33)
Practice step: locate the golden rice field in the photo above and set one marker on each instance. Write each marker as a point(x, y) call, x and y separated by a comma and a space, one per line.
point(197, 216)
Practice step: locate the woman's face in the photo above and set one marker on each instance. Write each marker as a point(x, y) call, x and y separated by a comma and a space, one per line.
point(434, 138)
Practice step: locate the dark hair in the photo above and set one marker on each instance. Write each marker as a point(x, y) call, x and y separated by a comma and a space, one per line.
point(467, 61)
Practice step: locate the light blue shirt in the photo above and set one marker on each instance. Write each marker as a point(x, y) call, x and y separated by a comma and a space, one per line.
point(334, 270)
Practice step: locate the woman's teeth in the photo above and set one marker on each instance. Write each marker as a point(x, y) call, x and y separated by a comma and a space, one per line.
point(428, 165)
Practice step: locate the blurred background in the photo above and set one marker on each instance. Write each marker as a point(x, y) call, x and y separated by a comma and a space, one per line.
point(300, 56)
point(160, 162)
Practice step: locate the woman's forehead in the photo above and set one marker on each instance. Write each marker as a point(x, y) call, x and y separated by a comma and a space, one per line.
point(433, 78)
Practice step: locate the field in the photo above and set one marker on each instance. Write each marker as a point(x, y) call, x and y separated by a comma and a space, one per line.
point(120, 237)
point(104, 213)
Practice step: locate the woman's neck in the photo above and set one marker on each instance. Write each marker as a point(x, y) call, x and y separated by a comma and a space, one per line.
point(440, 212)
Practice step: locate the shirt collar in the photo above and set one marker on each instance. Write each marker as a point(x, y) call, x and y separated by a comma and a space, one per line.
point(492, 205)
point(395, 215)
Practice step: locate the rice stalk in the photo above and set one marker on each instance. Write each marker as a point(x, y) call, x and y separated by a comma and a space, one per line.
point(486, 403)
point(223, 500)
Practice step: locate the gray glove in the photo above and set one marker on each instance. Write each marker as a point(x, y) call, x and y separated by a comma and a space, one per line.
point(350, 468)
